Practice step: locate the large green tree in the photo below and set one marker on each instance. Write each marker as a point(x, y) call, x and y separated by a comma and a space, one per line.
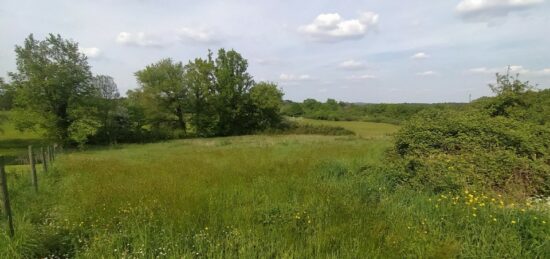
point(217, 96)
point(164, 92)
point(52, 88)
point(199, 79)
point(231, 84)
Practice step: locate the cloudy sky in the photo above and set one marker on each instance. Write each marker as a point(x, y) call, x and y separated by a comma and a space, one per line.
point(360, 51)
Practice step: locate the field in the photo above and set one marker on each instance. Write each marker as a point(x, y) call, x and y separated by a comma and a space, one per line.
point(13, 143)
point(298, 196)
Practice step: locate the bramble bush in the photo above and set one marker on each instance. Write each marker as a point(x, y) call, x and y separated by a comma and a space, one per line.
point(494, 144)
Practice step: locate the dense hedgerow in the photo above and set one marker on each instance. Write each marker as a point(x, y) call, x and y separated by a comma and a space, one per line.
point(292, 127)
point(499, 144)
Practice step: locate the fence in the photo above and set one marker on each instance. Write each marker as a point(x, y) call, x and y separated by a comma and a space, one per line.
point(46, 157)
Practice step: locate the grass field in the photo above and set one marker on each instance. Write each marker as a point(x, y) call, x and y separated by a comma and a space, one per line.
point(298, 196)
point(14, 143)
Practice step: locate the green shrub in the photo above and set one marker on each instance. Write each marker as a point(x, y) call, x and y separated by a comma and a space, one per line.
point(450, 150)
point(291, 127)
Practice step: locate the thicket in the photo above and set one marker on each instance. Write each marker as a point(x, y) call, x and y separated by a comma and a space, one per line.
point(499, 143)
point(342, 111)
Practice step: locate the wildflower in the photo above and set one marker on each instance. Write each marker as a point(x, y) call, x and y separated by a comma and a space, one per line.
point(474, 215)
point(513, 222)
point(494, 219)
point(543, 222)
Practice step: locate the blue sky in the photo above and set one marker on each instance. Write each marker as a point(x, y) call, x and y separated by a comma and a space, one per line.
point(358, 51)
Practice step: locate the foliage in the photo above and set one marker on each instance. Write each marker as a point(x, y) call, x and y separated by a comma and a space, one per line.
point(341, 111)
point(292, 127)
point(199, 76)
point(266, 104)
point(496, 144)
point(163, 93)
point(6, 95)
point(52, 82)
point(216, 95)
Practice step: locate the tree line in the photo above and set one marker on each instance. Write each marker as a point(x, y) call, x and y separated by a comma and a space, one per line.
point(394, 113)
point(54, 91)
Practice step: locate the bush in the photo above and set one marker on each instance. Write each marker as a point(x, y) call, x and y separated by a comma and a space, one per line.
point(451, 150)
point(291, 127)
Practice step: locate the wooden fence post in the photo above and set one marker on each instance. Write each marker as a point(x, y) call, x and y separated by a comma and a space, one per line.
point(44, 162)
point(33, 170)
point(6, 197)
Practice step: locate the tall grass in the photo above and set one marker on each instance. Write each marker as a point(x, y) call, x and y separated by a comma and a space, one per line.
point(258, 196)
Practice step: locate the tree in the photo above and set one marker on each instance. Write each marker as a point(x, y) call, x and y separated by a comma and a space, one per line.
point(52, 87)
point(164, 92)
point(231, 85)
point(6, 95)
point(109, 110)
point(199, 78)
point(217, 96)
point(267, 100)
point(508, 90)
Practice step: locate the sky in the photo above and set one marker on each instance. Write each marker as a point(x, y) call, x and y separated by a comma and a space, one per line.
point(356, 51)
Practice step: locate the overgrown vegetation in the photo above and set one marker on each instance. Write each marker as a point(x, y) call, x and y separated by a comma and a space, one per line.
point(497, 144)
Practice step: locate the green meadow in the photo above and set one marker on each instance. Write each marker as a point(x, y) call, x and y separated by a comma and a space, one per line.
point(258, 196)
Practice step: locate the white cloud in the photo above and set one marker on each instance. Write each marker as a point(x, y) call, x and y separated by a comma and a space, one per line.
point(291, 77)
point(514, 69)
point(198, 35)
point(91, 53)
point(362, 77)
point(351, 64)
point(427, 73)
point(518, 69)
point(481, 70)
point(420, 55)
point(140, 39)
point(482, 9)
point(330, 27)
